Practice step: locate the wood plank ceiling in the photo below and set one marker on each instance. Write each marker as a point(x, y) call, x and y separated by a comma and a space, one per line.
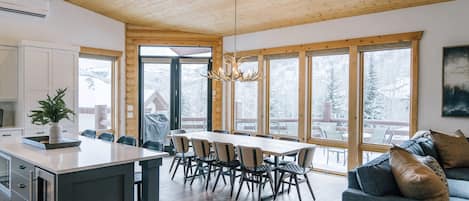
point(217, 16)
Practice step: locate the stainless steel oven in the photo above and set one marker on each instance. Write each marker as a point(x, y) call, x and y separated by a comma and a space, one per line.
point(5, 176)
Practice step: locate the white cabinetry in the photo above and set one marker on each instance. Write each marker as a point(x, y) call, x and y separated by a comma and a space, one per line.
point(8, 73)
point(44, 68)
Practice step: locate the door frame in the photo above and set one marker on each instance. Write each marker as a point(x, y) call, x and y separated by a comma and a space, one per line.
point(175, 98)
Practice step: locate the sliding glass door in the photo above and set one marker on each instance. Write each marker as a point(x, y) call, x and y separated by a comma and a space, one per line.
point(173, 93)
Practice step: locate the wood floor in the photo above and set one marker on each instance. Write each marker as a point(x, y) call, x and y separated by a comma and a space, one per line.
point(326, 188)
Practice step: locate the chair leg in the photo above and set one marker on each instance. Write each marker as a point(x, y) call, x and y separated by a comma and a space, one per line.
point(195, 173)
point(309, 186)
point(175, 170)
point(278, 185)
point(232, 181)
point(271, 182)
point(172, 164)
point(218, 178)
point(259, 187)
point(240, 185)
point(187, 165)
point(208, 175)
point(297, 187)
point(289, 183)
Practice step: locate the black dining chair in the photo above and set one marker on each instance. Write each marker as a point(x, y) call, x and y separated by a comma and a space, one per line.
point(254, 170)
point(241, 133)
point(226, 158)
point(106, 137)
point(183, 156)
point(89, 133)
point(127, 140)
point(221, 131)
point(155, 146)
point(292, 171)
point(203, 158)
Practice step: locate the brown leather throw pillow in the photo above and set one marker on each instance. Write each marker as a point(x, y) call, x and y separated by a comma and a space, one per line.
point(414, 179)
point(453, 149)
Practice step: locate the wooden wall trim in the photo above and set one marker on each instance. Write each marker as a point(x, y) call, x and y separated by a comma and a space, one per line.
point(102, 52)
point(370, 40)
point(137, 36)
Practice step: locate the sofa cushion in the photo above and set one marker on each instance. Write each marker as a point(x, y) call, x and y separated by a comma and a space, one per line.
point(458, 188)
point(452, 149)
point(426, 143)
point(378, 168)
point(413, 147)
point(458, 173)
point(415, 179)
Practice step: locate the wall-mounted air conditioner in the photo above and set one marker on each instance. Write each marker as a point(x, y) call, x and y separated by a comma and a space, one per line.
point(38, 8)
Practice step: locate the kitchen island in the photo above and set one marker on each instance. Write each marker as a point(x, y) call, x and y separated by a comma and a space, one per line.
point(94, 171)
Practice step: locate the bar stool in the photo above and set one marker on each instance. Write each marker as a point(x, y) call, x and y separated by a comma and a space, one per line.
point(106, 137)
point(253, 169)
point(128, 140)
point(241, 133)
point(202, 156)
point(183, 156)
point(226, 158)
point(89, 133)
point(221, 131)
point(305, 159)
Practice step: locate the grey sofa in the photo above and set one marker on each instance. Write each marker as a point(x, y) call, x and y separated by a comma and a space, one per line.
point(374, 181)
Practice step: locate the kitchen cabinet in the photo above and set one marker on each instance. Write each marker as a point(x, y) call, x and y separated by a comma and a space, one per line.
point(44, 68)
point(8, 72)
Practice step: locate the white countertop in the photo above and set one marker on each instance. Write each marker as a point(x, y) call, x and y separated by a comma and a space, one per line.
point(10, 128)
point(91, 154)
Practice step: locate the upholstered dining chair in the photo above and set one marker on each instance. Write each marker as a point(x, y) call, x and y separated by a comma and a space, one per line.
point(301, 168)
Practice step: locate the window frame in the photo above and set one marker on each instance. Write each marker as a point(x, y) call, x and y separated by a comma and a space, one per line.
point(116, 83)
point(354, 145)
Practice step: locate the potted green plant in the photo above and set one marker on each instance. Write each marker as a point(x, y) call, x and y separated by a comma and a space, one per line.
point(52, 110)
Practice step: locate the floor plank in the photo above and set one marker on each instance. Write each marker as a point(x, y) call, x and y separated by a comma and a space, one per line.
point(326, 188)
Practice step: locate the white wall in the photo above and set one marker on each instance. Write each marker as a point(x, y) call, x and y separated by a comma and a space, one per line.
point(65, 24)
point(444, 24)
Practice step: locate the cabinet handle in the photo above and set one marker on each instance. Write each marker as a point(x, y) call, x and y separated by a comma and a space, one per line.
point(6, 135)
point(21, 185)
point(41, 132)
point(22, 167)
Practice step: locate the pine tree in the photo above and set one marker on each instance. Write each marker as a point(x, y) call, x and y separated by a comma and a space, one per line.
point(334, 95)
point(373, 101)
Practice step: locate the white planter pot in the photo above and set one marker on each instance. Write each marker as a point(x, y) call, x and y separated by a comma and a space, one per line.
point(55, 133)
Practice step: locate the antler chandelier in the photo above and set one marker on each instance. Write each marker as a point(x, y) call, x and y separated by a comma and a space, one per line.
point(233, 63)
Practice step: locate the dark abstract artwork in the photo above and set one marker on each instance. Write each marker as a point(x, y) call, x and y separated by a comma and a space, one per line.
point(456, 81)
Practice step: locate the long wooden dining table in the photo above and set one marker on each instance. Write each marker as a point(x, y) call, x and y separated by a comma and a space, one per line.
point(274, 147)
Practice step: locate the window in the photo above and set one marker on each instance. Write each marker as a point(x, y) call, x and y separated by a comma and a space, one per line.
point(386, 95)
point(194, 94)
point(96, 92)
point(283, 95)
point(245, 96)
point(329, 97)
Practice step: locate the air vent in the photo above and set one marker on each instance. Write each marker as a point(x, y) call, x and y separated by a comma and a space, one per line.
point(36, 8)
